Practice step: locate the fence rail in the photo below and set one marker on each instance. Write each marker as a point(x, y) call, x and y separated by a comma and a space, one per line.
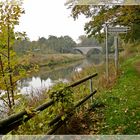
point(57, 122)
point(13, 121)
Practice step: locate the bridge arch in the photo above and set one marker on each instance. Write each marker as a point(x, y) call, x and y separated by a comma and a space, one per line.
point(85, 50)
point(94, 51)
point(78, 50)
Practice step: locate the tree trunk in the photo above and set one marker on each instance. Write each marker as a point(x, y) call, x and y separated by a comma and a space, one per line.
point(9, 66)
point(5, 83)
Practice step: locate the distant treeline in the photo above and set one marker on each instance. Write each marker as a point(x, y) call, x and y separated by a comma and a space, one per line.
point(63, 44)
point(53, 44)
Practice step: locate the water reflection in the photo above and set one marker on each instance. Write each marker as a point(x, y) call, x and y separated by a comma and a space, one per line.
point(57, 73)
point(95, 59)
point(34, 83)
point(45, 79)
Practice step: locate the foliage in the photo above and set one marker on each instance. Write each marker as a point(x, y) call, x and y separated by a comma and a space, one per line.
point(12, 69)
point(125, 15)
point(132, 50)
point(53, 44)
point(9, 18)
point(87, 42)
point(63, 97)
point(64, 102)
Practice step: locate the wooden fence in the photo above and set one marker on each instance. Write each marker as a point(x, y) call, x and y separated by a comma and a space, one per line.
point(13, 121)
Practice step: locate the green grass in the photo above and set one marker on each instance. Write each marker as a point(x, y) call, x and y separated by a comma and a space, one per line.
point(122, 102)
point(54, 59)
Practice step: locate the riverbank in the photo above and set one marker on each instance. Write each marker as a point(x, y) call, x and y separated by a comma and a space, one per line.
point(54, 59)
point(116, 110)
point(122, 102)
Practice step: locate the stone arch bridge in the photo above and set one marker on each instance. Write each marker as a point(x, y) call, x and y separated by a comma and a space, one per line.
point(86, 50)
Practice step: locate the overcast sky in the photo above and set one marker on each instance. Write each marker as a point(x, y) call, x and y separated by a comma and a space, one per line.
point(49, 17)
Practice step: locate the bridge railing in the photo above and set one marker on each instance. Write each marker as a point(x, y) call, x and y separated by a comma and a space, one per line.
point(13, 121)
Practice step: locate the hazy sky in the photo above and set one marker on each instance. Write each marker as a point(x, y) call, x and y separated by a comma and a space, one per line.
point(49, 17)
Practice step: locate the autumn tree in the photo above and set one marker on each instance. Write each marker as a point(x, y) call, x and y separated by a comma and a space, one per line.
point(125, 15)
point(10, 70)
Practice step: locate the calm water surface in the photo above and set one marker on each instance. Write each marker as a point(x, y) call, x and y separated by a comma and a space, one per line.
point(45, 79)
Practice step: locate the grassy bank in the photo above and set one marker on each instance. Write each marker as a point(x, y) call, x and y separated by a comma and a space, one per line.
point(54, 59)
point(120, 113)
point(116, 106)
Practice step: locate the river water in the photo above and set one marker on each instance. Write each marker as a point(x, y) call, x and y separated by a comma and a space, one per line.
point(44, 79)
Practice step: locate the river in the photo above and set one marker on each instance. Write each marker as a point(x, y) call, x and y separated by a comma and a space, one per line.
point(45, 79)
